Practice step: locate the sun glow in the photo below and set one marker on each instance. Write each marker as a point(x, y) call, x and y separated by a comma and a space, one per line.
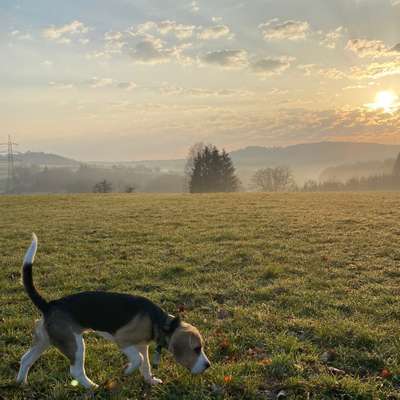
point(387, 101)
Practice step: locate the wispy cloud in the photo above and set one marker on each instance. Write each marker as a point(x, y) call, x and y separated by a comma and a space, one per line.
point(215, 32)
point(271, 65)
point(286, 30)
point(230, 59)
point(65, 33)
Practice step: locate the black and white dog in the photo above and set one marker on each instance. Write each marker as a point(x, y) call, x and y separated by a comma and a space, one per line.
point(132, 322)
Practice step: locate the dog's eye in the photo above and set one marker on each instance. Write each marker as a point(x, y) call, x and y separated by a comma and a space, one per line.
point(197, 349)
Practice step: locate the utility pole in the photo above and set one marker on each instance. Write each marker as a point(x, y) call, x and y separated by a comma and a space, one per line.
point(10, 163)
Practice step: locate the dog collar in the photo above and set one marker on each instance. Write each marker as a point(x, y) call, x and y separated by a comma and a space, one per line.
point(163, 335)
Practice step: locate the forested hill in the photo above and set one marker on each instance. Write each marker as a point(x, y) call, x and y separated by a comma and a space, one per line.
point(314, 154)
point(40, 158)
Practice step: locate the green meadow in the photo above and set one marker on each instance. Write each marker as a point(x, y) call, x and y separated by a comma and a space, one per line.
point(296, 295)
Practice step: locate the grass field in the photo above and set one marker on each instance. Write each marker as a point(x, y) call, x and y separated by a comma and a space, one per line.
point(296, 294)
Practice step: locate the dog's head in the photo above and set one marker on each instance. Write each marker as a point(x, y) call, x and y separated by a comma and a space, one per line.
point(186, 345)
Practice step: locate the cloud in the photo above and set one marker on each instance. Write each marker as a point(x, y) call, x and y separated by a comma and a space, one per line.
point(396, 48)
point(127, 85)
point(293, 30)
point(152, 50)
point(271, 65)
point(329, 73)
point(194, 6)
point(202, 92)
point(180, 31)
point(230, 59)
point(64, 34)
point(368, 48)
point(215, 32)
point(149, 43)
point(289, 30)
point(376, 70)
point(16, 34)
point(331, 38)
point(96, 83)
point(61, 85)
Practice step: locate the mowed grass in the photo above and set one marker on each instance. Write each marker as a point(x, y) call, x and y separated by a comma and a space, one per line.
point(284, 288)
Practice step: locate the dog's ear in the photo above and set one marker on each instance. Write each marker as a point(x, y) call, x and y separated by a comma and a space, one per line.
point(172, 323)
point(175, 323)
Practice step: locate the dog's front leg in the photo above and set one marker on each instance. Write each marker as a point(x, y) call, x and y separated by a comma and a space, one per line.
point(145, 367)
point(135, 358)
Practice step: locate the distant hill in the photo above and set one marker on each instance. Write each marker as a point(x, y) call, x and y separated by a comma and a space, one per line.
point(307, 160)
point(314, 154)
point(40, 158)
point(344, 172)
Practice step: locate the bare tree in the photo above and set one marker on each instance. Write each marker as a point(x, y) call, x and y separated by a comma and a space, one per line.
point(130, 189)
point(102, 187)
point(277, 179)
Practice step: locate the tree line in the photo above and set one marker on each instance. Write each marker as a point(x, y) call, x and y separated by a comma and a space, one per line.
point(88, 178)
point(208, 169)
point(211, 170)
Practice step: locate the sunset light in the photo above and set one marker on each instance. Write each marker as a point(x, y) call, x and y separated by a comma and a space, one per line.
point(388, 101)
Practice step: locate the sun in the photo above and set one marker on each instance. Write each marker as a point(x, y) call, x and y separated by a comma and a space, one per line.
point(386, 100)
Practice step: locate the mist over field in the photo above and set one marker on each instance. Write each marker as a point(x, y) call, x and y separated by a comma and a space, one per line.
point(332, 162)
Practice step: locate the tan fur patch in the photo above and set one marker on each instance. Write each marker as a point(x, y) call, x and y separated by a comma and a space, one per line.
point(138, 330)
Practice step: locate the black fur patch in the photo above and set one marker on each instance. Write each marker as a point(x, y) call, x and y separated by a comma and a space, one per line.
point(107, 311)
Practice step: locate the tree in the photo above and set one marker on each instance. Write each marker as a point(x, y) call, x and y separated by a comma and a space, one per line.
point(130, 189)
point(212, 171)
point(193, 151)
point(310, 186)
point(396, 168)
point(277, 179)
point(102, 187)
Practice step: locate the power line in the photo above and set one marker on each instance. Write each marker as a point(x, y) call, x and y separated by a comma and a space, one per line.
point(11, 176)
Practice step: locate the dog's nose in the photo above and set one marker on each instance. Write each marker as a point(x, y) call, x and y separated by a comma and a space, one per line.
point(207, 365)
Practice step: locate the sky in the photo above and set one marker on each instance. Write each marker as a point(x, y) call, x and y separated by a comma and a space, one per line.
point(146, 79)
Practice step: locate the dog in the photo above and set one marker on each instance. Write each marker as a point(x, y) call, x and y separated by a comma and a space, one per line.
point(131, 322)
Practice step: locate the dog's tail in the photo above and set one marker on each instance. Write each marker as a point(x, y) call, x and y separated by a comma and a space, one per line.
point(27, 279)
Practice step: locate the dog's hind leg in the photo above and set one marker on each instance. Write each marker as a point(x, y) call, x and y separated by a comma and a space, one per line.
point(40, 344)
point(77, 367)
point(71, 344)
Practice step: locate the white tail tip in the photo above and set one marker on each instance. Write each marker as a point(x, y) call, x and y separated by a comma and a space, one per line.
point(30, 254)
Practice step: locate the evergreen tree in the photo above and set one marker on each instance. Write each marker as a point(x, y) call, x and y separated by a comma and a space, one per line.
point(212, 171)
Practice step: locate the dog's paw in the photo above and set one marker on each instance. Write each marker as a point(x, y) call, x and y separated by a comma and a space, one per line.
point(154, 381)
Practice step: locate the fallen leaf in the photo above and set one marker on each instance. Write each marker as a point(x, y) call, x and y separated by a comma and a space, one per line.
point(228, 378)
point(385, 373)
point(224, 344)
point(110, 385)
point(265, 362)
point(223, 314)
